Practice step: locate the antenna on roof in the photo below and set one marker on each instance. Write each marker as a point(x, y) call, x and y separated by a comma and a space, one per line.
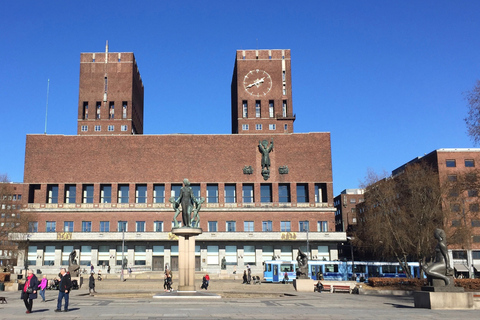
point(106, 52)
point(46, 109)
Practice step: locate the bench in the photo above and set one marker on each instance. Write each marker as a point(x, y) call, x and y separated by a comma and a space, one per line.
point(326, 287)
point(337, 288)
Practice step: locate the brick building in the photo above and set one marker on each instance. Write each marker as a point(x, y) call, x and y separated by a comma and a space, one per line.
point(85, 190)
point(346, 209)
point(10, 221)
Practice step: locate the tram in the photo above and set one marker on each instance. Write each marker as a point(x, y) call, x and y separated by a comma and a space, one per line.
point(274, 270)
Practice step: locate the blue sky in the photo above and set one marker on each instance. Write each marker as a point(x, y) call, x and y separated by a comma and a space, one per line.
point(385, 78)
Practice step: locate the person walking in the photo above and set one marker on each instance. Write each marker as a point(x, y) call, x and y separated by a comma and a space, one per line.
point(29, 291)
point(63, 290)
point(42, 286)
point(245, 279)
point(91, 283)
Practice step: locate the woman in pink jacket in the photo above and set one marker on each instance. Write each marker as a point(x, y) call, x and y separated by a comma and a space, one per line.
point(42, 286)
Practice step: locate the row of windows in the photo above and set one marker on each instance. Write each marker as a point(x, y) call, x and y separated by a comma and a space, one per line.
point(12, 197)
point(111, 109)
point(258, 108)
point(230, 193)
point(230, 226)
point(246, 127)
point(110, 128)
point(451, 163)
point(458, 223)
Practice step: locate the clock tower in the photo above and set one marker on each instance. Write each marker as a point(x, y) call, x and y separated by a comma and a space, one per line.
point(262, 92)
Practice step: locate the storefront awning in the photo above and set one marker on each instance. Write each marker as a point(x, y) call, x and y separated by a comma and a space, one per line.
point(460, 267)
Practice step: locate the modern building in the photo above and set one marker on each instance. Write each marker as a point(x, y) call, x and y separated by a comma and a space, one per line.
point(346, 209)
point(268, 190)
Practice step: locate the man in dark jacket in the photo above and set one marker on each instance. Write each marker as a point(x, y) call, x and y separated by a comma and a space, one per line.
point(63, 290)
point(91, 283)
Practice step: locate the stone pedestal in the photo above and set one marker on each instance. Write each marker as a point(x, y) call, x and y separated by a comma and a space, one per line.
point(443, 300)
point(186, 257)
point(303, 285)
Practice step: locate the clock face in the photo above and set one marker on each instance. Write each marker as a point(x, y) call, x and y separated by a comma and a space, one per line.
point(257, 82)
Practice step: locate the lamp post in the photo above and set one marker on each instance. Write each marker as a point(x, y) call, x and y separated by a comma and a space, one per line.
point(351, 252)
point(123, 249)
point(305, 229)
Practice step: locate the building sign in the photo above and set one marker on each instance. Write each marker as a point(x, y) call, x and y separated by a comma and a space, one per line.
point(64, 236)
point(289, 236)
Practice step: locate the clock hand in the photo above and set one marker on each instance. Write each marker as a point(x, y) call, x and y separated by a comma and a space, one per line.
point(256, 82)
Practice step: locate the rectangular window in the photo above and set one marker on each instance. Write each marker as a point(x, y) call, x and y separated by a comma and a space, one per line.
point(247, 193)
point(158, 193)
point(87, 193)
point(85, 110)
point(469, 163)
point(104, 226)
point(175, 190)
point(320, 192)
point(124, 110)
point(473, 193)
point(122, 226)
point(124, 127)
point(99, 106)
point(105, 193)
point(84, 128)
point(212, 226)
point(475, 223)
point(68, 226)
point(303, 226)
point(248, 226)
point(111, 111)
point(230, 194)
point(245, 127)
point(70, 193)
point(140, 226)
point(141, 193)
point(212, 193)
point(474, 207)
point(452, 177)
point(98, 128)
point(284, 192)
point(231, 226)
point(33, 226)
point(322, 226)
point(302, 193)
point(451, 163)
point(272, 127)
point(267, 226)
point(257, 109)
point(231, 255)
point(245, 109)
point(285, 127)
point(52, 193)
point(456, 223)
point(195, 190)
point(258, 127)
point(51, 226)
point(158, 226)
point(111, 128)
point(123, 190)
point(265, 193)
point(284, 108)
point(86, 226)
point(285, 226)
point(271, 109)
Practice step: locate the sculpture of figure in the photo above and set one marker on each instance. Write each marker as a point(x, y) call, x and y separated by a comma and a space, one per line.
point(186, 199)
point(224, 263)
point(195, 222)
point(302, 259)
point(177, 211)
point(72, 260)
point(440, 268)
point(73, 267)
point(265, 150)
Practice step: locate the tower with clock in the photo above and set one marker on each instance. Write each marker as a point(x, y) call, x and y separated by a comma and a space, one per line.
point(262, 92)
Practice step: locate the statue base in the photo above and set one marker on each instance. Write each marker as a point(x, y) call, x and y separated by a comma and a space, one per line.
point(443, 300)
point(186, 257)
point(303, 285)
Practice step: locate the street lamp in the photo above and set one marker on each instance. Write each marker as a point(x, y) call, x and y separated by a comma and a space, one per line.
point(351, 252)
point(306, 226)
point(123, 249)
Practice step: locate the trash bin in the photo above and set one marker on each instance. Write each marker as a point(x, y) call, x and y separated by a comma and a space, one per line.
point(2, 286)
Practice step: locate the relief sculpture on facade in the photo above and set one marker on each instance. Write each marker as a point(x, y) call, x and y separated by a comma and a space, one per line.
point(265, 149)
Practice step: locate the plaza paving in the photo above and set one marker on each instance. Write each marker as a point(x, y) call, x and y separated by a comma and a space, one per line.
point(133, 299)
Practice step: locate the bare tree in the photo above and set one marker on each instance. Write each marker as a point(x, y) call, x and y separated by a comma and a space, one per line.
point(399, 215)
point(473, 118)
point(11, 221)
